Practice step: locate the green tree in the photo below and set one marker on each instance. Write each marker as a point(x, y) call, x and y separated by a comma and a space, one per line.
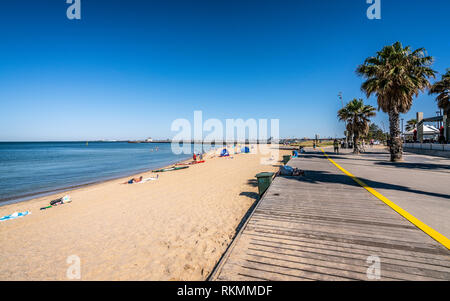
point(395, 75)
point(375, 133)
point(357, 115)
point(442, 88)
point(411, 124)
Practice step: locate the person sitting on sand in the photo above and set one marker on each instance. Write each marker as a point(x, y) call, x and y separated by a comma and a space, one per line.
point(134, 180)
point(194, 157)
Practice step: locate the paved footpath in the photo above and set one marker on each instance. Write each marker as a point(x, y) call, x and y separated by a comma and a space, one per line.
point(325, 226)
point(420, 184)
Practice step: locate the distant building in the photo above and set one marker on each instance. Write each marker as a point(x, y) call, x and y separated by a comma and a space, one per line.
point(429, 133)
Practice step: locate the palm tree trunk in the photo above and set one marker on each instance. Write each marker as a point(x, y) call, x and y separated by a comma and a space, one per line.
point(396, 145)
point(355, 144)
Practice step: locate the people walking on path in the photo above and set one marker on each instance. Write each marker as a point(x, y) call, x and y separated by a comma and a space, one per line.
point(336, 146)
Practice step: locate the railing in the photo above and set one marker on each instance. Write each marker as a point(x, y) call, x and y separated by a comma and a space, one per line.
point(428, 146)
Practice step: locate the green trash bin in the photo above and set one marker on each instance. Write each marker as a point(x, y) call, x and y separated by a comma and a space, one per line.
point(286, 159)
point(264, 180)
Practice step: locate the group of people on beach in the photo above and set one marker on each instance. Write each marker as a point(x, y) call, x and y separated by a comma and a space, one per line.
point(198, 157)
point(195, 158)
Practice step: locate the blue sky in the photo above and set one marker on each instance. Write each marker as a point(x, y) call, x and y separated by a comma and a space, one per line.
point(127, 69)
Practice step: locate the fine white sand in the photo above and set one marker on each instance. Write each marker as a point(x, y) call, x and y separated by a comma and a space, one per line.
point(175, 228)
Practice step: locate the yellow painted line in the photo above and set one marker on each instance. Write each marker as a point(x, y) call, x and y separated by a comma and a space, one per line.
point(416, 222)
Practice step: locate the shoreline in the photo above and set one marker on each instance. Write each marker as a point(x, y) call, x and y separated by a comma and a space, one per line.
point(175, 228)
point(31, 196)
point(53, 194)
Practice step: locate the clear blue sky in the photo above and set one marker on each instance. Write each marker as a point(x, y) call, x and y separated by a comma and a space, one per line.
point(127, 69)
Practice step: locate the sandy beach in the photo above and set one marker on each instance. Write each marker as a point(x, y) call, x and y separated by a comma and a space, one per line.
point(175, 228)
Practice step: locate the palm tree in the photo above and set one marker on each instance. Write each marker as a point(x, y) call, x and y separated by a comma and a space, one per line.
point(357, 115)
point(442, 88)
point(395, 75)
point(411, 124)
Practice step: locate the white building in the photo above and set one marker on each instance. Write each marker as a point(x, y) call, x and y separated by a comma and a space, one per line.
point(429, 133)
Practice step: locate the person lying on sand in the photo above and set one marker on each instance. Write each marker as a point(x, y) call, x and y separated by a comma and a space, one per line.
point(134, 180)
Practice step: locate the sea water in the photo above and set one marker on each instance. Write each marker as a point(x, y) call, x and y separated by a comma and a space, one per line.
point(31, 169)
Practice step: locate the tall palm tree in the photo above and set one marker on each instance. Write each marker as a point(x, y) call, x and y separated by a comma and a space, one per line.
point(442, 88)
point(357, 115)
point(411, 124)
point(395, 75)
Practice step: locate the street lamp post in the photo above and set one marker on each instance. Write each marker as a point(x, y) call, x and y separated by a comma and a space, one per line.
point(403, 137)
point(384, 131)
point(345, 131)
point(438, 123)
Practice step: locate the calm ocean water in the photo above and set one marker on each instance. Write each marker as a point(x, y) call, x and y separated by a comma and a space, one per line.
point(29, 169)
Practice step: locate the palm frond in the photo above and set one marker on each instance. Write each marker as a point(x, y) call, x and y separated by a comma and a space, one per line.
point(395, 75)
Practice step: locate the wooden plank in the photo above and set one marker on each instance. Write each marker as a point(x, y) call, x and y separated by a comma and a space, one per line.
point(308, 228)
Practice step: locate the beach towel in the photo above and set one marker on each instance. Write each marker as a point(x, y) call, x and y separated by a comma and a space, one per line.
point(14, 215)
point(148, 179)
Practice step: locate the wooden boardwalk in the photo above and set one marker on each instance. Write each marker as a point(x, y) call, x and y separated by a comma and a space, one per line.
point(324, 226)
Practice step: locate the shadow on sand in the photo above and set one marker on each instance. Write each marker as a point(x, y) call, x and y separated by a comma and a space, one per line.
point(252, 182)
point(251, 195)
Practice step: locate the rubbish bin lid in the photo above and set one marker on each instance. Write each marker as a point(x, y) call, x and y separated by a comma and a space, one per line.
point(264, 174)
